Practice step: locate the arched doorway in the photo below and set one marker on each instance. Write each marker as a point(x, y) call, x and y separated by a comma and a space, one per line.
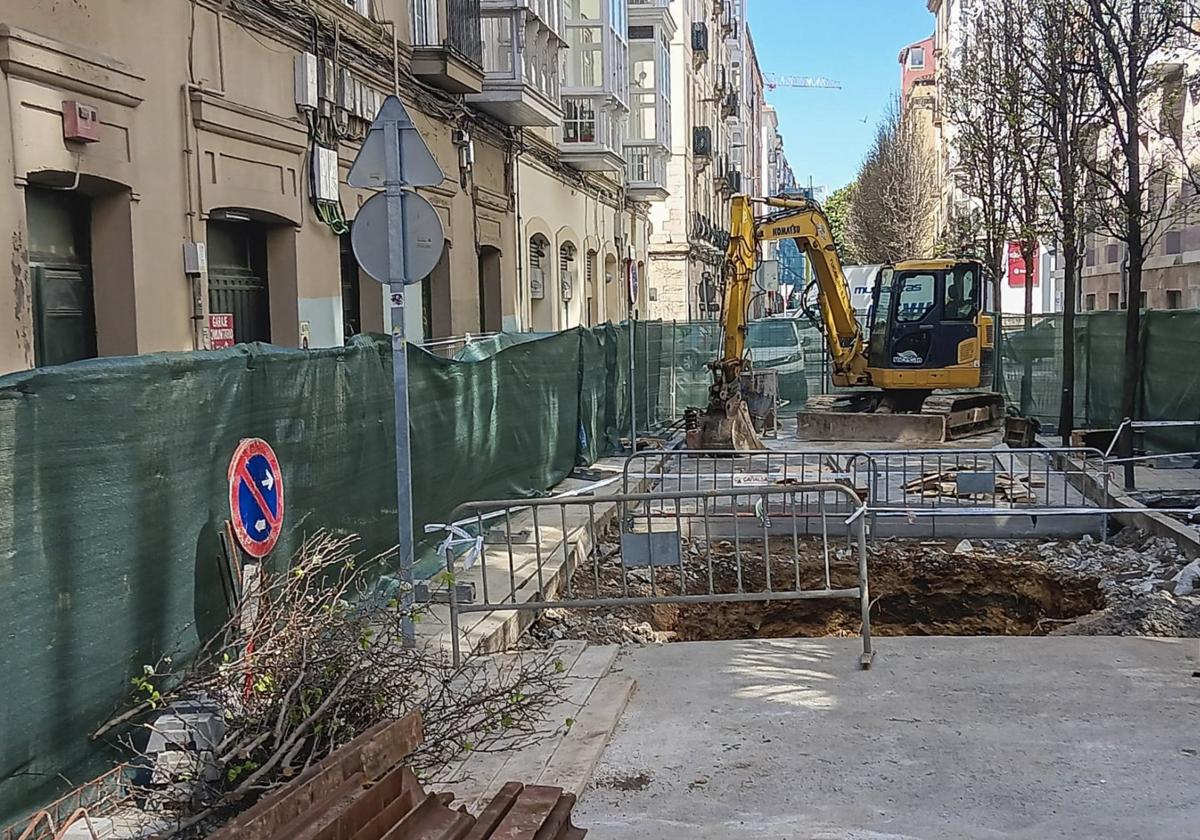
point(60, 264)
point(237, 277)
point(567, 282)
point(614, 306)
point(491, 313)
point(589, 284)
point(541, 293)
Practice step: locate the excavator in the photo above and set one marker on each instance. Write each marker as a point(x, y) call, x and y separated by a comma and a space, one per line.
point(927, 331)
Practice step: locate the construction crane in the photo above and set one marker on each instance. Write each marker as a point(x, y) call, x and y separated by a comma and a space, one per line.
point(775, 80)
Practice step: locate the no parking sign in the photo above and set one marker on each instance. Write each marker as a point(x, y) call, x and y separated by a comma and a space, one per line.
point(256, 496)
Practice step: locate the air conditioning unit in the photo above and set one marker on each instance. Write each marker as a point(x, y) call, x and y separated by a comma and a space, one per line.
point(702, 141)
point(700, 38)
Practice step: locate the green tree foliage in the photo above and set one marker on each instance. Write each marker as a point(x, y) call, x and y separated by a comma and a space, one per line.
point(837, 209)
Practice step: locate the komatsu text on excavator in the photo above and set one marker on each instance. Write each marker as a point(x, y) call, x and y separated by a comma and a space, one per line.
point(928, 336)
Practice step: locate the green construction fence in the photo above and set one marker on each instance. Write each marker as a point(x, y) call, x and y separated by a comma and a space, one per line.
point(114, 491)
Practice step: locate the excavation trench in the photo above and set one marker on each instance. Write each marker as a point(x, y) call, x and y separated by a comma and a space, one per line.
point(916, 588)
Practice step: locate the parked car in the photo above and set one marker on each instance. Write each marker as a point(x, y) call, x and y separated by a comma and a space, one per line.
point(777, 344)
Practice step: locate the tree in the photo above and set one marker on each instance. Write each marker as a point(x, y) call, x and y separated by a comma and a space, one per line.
point(1064, 102)
point(982, 165)
point(838, 209)
point(891, 217)
point(1014, 91)
point(1141, 147)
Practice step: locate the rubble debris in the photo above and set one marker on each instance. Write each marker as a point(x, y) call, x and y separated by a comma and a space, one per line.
point(1008, 487)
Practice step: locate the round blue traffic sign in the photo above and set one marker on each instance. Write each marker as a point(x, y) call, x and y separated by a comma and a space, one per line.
point(256, 496)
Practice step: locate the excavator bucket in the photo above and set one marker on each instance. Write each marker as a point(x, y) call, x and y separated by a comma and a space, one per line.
point(726, 426)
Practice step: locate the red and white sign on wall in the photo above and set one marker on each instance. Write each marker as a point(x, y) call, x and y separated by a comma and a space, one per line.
point(1016, 266)
point(220, 330)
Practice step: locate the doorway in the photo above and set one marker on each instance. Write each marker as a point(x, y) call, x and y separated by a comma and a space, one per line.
point(237, 278)
point(59, 223)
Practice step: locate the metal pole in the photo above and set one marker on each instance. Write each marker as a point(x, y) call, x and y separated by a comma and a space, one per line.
point(632, 380)
point(674, 374)
point(396, 275)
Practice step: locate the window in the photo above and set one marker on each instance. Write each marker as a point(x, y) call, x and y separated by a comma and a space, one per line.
point(1111, 253)
point(583, 9)
point(579, 121)
point(498, 45)
point(1142, 300)
point(916, 296)
point(1114, 300)
point(1173, 242)
point(960, 295)
point(1090, 305)
point(584, 57)
point(916, 58)
point(1174, 299)
point(1090, 259)
point(424, 23)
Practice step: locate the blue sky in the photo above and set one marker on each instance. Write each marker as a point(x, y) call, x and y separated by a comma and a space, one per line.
point(852, 41)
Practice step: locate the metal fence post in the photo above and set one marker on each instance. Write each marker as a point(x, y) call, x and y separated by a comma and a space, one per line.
point(674, 373)
point(632, 384)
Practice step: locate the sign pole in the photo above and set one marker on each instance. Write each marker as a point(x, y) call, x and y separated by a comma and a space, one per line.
point(398, 239)
point(396, 274)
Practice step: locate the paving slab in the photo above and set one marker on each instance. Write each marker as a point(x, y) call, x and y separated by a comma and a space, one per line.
point(981, 737)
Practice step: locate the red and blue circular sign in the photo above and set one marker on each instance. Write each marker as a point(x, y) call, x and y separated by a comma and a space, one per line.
point(256, 496)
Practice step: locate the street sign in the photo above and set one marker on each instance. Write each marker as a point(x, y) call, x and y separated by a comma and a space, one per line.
point(255, 496)
point(417, 165)
point(398, 243)
point(220, 331)
point(424, 237)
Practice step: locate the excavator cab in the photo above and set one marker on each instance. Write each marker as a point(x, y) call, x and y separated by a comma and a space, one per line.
point(928, 326)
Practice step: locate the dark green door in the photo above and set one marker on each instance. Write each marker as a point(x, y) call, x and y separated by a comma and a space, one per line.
point(237, 278)
point(60, 266)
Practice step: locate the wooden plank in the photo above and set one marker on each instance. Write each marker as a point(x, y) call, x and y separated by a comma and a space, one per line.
point(575, 760)
point(496, 811)
point(528, 814)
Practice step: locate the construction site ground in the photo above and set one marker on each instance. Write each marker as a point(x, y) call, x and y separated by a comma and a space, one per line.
point(1000, 704)
point(1033, 738)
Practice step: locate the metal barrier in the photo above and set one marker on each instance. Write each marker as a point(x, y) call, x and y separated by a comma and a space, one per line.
point(916, 492)
point(696, 469)
point(707, 546)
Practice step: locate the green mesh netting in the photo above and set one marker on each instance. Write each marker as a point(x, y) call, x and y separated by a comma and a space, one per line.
point(116, 491)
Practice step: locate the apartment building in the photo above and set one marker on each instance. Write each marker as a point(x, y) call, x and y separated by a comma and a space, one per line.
point(160, 181)
point(724, 147)
point(1171, 273)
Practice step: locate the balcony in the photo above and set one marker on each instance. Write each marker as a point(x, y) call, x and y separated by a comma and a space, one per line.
point(646, 172)
point(448, 44)
point(702, 142)
point(595, 85)
point(699, 42)
point(521, 44)
point(730, 105)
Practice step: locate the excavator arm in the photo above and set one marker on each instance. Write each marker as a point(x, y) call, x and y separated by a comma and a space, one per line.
point(726, 424)
point(803, 221)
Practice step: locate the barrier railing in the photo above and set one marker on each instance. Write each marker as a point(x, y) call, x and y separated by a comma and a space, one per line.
point(706, 546)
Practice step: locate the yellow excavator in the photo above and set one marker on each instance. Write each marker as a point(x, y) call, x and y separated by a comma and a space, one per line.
point(927, 330)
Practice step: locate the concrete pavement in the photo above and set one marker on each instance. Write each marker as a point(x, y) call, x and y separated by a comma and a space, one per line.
point(981, 737)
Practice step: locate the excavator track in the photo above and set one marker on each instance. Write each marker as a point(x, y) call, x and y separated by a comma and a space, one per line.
point(864, 416)
point(966, 414)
